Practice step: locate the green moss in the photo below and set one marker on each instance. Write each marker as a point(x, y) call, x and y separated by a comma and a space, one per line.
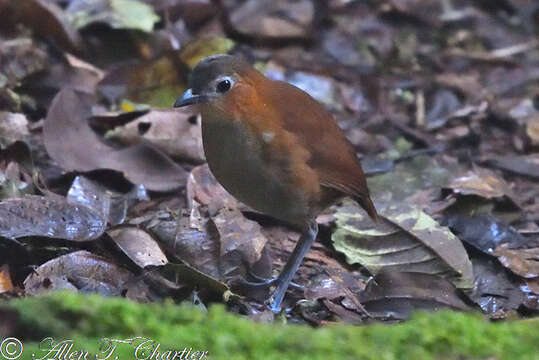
point(87, 319)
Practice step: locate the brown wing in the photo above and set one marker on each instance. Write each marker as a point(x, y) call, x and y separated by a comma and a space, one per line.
point(333, 157)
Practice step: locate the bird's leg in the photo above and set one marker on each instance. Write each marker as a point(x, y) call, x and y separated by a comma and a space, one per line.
point(283, 280)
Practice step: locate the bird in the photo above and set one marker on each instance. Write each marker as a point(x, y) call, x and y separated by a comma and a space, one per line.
point(274, 148)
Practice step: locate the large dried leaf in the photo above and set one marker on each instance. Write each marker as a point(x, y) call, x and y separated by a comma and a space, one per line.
point(409, 241)
point(418, 174)
point(223, 246)
point(394, 295)
point(47, 19)
point(519, 164)
point(187, 275)
point(239, 236)
point(483, 232)
point(483, 183)
point(175, 132)
point(203, 188)
point(195, 245)
point(80, 270)
point(273, 18)
point(50, 217)
point(113, 207)
point(80, 149)
point(523, 262)
point(139, 246)
point(495, 290)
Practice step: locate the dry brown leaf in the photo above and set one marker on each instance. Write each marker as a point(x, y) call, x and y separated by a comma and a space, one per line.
point(175, 132)
point(13, 127)
point(139, 246)
point(395, 295)
point(5, 279)
point(48, 19)
point(523, 262)
point(49, 217)
point(80, 149)
point(203, 188)
point(80, 270)
point(484, 183)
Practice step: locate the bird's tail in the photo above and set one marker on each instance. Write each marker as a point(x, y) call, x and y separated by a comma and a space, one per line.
point(366, 203)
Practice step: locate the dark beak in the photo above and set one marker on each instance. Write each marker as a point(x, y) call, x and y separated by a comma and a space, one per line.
point(189, 99)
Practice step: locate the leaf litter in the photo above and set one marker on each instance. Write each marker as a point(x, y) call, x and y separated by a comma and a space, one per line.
point(438, 98)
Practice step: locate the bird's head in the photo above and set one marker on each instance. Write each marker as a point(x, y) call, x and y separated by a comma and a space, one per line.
point(214, 78)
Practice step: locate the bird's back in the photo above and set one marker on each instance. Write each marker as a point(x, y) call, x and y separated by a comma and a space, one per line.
point(332, 156)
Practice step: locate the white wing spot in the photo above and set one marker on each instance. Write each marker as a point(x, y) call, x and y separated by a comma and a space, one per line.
point(268, 136)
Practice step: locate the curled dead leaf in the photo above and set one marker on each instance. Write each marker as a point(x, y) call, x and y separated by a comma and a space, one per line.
point(484, 183)
point(49, 217)
point(81, 149)
point(394, 295)
point(409, 241)
point(175, 132)
point(80, 270)
point(523, 262)
point(139, 246)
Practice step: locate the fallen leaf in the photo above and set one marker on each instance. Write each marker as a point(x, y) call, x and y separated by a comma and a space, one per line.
point(193, 52)
point(532, 129)
point(527, 165)
point(417, 174)
point(274, 19)
point(118, 14)
point(13, 127)
point(20, 59)
point(90, 194)
point(47, 19)
point(16, 178)
point(483, 232)
point(319, 87)
point(395, 295)
point(139, 246)
point(187, 275)
point(81, 149)
point(80, 270)
point(70, 72)
point(409, 241)
point(203, 188)
point(177, 133)
point(533, 284)
point(483, 183)
point(443, 105)
point(523, 262)
point(49, 217)
point(112, 206)
point(224, 246)
point(193, 12)
point(241, 240)
point(157, 82)
point(194, 245)
point(5, 279)
point(495, 290)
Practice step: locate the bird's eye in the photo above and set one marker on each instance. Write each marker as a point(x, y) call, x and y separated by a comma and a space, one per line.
point(224, 85)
